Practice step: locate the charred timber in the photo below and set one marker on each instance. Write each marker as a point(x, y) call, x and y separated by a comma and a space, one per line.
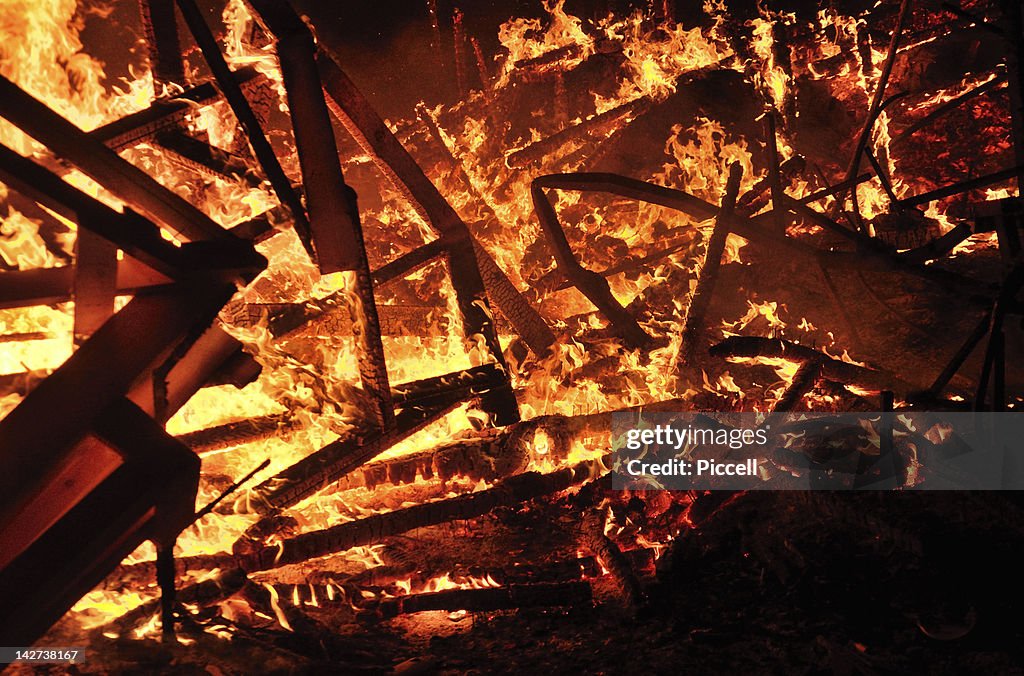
point(836, 370)
point(366, 126)
point(247, 118)
point(336, 459)
point(540, 595)
point(512, 491)
point(161, 30)
point(701, 300)
point(591, 284)
point(804, 380)
point(608, 554)
point(331, 203)
point(500, 291)
point(236, 433)
point(166, 114)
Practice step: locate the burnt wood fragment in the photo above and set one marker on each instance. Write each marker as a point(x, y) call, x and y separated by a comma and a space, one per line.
point(539, 595)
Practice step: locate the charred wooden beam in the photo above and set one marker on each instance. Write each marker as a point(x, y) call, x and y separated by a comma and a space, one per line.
point(333, 214)
point(45, 286)
point(148, 493)
point(488, 455)
point(152, 325)
point(512, 491)
point(598, 126)
point(352, 109)
point(460, 385)
point(774, 173)
point(383, 578)
point(166, 114)
point(205, 159)
point(247, 118)
point(104, 165)
point(962, 187)
point(24, 337)
point(138, 237)
point(701, 300)
point(608, 554)
point(876, 100)
point(408, 262)
point(940, 110)
point(749, 228)
point(804, 380)
point(592, 285)
point(336, 459)
point(539, 595)
point(230, 434)
point(500, 291)
point(161, 30)
point(835, 370)
point(95, 282)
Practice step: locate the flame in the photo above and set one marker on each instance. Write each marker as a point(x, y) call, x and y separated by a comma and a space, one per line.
point(312, 376)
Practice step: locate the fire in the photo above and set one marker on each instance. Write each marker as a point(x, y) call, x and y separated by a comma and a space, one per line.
point(488, 182)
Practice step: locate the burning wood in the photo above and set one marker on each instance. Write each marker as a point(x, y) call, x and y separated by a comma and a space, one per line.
point(707, 162)
point(482, 600)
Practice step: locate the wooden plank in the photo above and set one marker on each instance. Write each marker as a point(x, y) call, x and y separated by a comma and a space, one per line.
point(57, 414)
point(161, 29)
point(95, 283)
point(46, 286)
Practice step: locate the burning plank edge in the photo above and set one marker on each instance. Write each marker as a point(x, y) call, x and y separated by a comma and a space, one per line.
point(598, 126)
point(538, 595)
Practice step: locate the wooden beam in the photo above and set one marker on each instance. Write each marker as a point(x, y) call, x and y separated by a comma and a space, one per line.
point(58, 413)
point(95, 283)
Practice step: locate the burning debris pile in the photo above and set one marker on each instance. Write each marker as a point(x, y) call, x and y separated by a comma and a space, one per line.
point(401, 405)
